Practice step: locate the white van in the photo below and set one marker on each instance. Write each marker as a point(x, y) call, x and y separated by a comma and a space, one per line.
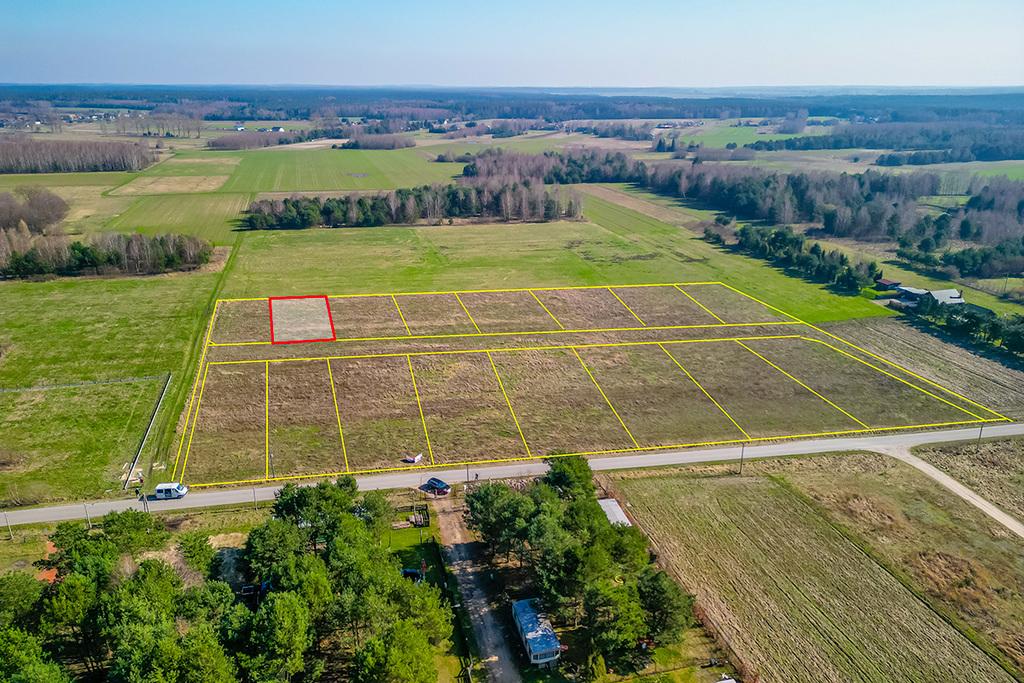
point(170, 491)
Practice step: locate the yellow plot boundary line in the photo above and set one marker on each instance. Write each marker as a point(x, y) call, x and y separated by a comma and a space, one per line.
point(337, 414)
point(195, 418)
point(705, 392)
point(510, 349)
point(631, 311)
point(423, 420)
point(862, 424)
point(400, 314)
point(194, 404)
point(592, 330)
point(466, 311)
point(546, 310)
point(610, 451)
point(748, 438)
point(895, 377)
point(869, 353)
point(702, 306)
point(266, 419)
point(195, 385)
point(488, 291)
point(605, 397)
point(511, 410)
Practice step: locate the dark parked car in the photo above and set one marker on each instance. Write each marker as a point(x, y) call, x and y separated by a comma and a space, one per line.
point(437, 487)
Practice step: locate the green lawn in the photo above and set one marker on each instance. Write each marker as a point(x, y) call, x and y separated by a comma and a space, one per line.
point(210, 216)
point(72, 442)
point(721, 133)
point(288, 170)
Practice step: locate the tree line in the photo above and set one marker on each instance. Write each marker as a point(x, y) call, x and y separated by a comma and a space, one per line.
point(973, 324)
point(869, 206)
point(790, 250)
point(326, 593)
point(363, 141)
point(519, 201)
point(916, 143)
point(23, 255)
point(37, 208)
point(586, 572)
point(253, 139)
point(25, 155)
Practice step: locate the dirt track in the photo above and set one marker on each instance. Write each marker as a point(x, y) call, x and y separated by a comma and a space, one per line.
point(462, 555)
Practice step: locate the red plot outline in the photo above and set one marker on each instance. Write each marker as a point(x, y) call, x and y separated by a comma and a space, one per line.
point(330, 319)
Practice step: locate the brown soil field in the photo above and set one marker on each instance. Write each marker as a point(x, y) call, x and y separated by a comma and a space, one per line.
point(763, 401)
point(780, 387)
point(665, 306)
point(171, 184)
point(659, 404)
point(987, 381)
point(581, 309)
point(466, 414)
point(241, 321)
point(434, 314)
point(730, 306)
point(379, 415)
point(881, 400)
point(507, 312)
point(304, 437)
point(374, 316)
point(301, 319)
point(229, 441)
point(559, 408)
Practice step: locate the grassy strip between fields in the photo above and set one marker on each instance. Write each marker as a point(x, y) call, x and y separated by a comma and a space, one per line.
point(163, 439)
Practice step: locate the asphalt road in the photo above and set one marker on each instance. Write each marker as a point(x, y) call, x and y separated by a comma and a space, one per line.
point(895, 445)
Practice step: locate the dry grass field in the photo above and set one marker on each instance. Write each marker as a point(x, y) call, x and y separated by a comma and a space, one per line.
point(360, 383)
point(851, 567)
point(995, 467)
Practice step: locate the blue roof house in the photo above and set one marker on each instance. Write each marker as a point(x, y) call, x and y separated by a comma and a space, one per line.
point(539, 639)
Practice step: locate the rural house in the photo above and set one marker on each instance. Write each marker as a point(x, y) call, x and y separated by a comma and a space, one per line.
point(539, 638)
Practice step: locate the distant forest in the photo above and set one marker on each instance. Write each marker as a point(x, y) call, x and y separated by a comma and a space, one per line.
point(916, 143)
point(228, 103)
point(868, 206)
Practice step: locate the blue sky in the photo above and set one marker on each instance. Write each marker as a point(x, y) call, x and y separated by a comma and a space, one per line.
point(519, 42)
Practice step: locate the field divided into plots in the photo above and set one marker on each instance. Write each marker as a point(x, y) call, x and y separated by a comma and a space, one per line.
point(294, 387)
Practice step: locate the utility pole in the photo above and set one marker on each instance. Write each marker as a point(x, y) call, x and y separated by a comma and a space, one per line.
point(87, 517)
point(9, 531)
point(743, 448)
point(980, 430)
point(255, 505)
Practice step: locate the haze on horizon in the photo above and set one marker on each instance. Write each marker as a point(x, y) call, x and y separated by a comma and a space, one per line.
point(645, 43)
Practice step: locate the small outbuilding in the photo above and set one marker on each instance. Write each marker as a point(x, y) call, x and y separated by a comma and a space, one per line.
point(539, 638)
point(886, 284)
point(614, 512)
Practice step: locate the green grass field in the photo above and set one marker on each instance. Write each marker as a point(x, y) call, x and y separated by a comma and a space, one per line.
point(854, 568)
point(211, 216)
point(614, 245)
point(720, 133)
point(71, 443)
point(286, 170)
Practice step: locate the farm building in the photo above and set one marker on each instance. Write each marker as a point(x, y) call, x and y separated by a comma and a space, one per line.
point(885, 283)
point(539, 638)
point(909, 296)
